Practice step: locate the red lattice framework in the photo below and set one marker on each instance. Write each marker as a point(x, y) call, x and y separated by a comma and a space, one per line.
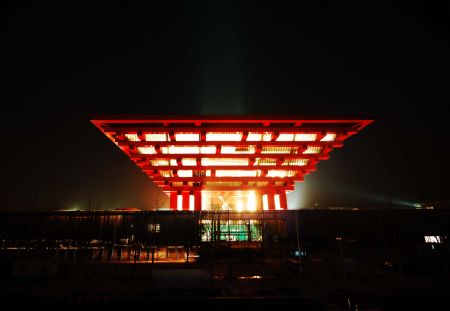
point(187, 155)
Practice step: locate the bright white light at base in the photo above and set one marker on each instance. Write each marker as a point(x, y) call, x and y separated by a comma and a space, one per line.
point(239, 206)
point(191, 202)
point(276, 198)
point(265, 202)
point(251, 201)
point(312, 150)
point(179, 202)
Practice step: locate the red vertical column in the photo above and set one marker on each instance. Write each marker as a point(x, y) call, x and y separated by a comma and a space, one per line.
point(271, 200)
point(198, 200)
point(185, 200)
point(283, 200)
point(173, 200)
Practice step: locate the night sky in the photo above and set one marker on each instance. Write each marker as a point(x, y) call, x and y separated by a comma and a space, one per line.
point(68, 61)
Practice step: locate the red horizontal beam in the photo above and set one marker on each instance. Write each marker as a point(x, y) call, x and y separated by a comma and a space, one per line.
point(235, 167)
point(210, 188)
point(321, 156)
point(316, 128)
point(331, 144)
point(226, 179)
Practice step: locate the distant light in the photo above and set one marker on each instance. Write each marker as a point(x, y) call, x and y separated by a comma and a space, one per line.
point(433, 239)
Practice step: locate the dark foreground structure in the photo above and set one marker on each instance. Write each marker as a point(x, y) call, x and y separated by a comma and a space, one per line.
point(321, 259)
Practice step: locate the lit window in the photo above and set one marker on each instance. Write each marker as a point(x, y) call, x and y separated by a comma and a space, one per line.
point(146, 150)
point(187, 137)
point(189, 162)
point(173, 162)
point(165, 173)
point(280, 173)
point(154, 228)
point(184, 173)
point(208, 149)
point(285, 137)
point(276, 149)
point(263, 161)
point(223, 161)
point(254, 137)
point(224, 183)
point(180, 149)
point(156, 137)
point(299, 162)
point(329, 137)
point(232, 136)
point(238, 149)
point(312, 150)
point(237, 173)
point(305, 137)
point(159, 162)
point(132, 137)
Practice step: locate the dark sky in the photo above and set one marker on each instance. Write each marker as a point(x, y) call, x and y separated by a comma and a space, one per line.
point(66, 61)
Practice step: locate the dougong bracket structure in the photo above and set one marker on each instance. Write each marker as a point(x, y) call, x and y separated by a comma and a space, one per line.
point(228, 162)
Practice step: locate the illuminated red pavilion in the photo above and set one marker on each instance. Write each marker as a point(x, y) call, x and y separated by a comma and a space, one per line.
point(228, 162)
